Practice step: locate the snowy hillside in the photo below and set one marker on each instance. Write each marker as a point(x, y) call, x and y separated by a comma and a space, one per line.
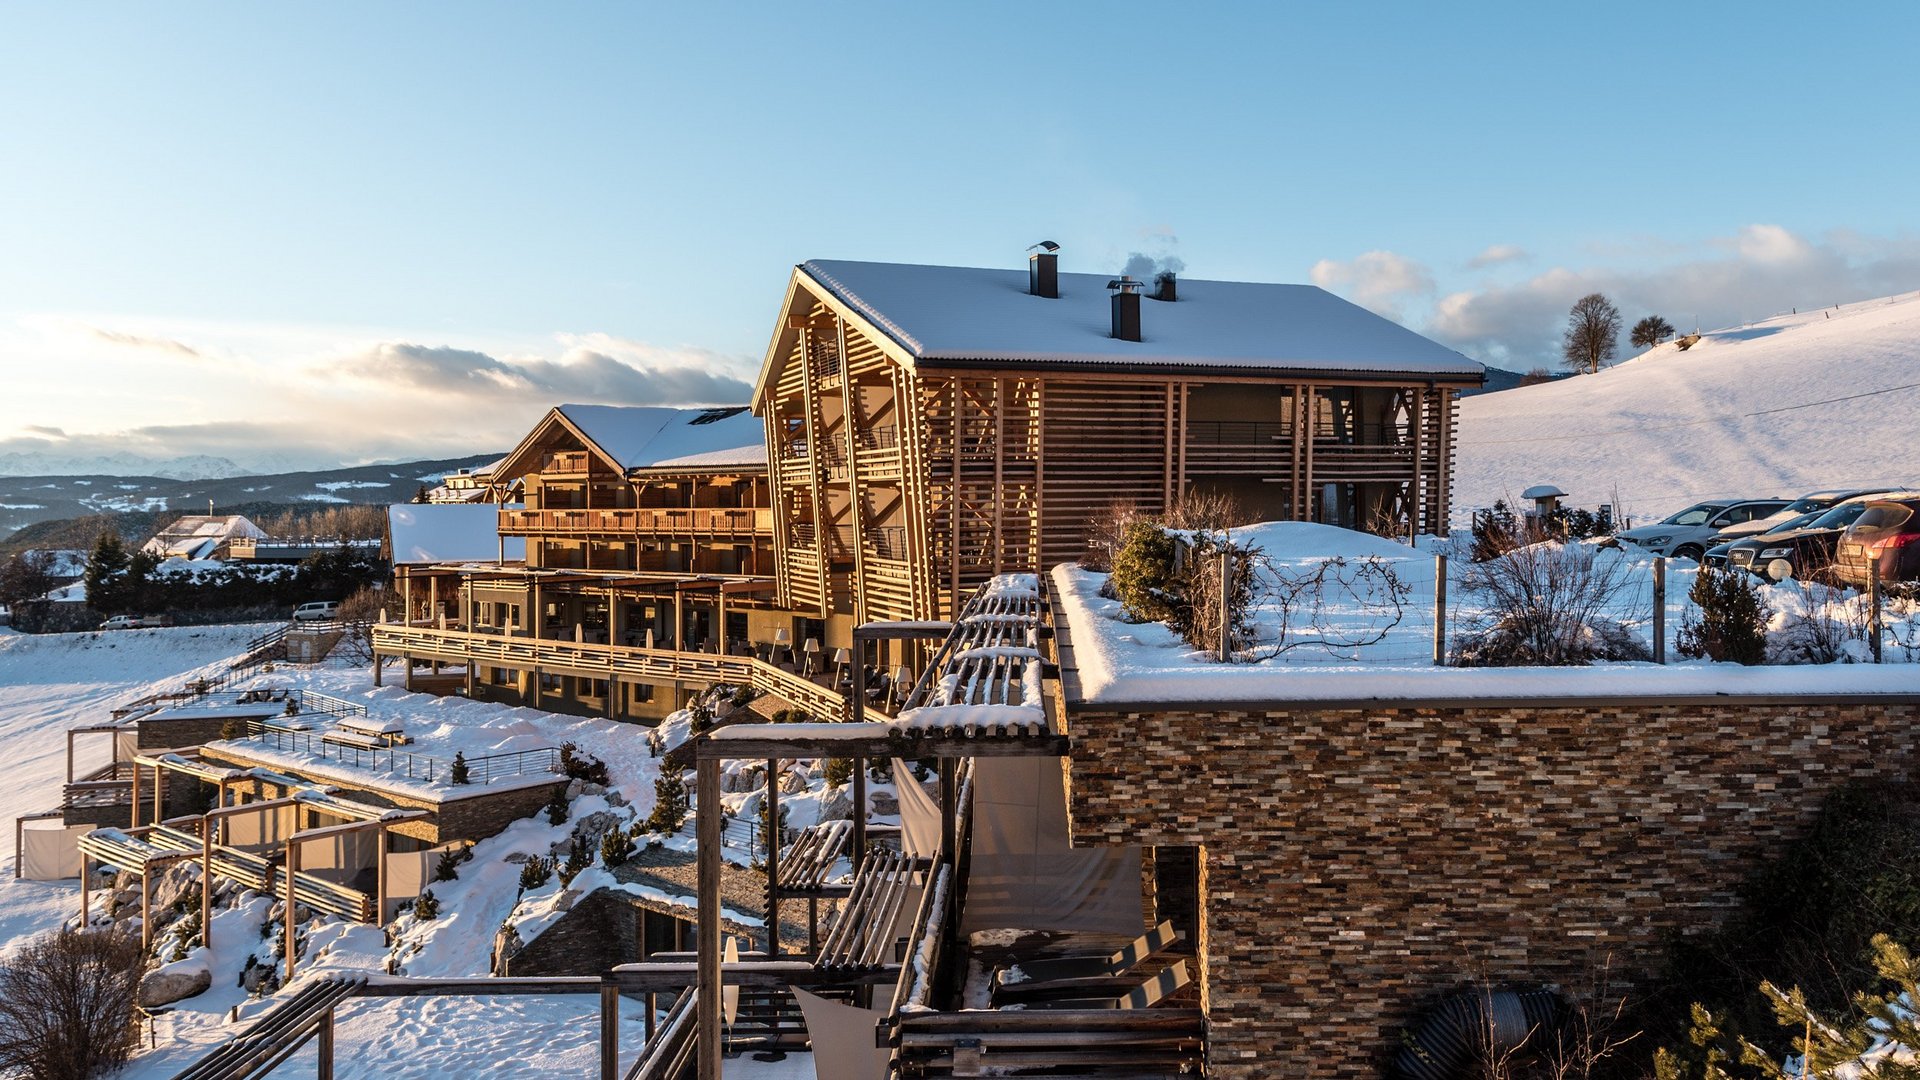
point(1818, 399)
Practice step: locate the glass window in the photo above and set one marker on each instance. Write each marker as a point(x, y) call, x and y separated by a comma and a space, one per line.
point(1693, 515)
point(1840, 516)
point(1880, 517)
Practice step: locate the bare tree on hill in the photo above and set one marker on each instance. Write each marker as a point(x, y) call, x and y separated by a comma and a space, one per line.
point(1593, 333)
point(1649, 332)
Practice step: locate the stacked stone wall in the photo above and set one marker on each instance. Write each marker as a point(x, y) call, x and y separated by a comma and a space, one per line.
point(1361, 863)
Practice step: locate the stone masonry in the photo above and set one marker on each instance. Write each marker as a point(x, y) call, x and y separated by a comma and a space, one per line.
point(1361, 862)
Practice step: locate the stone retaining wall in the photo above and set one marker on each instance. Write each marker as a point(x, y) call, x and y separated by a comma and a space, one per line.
point(1362, 862)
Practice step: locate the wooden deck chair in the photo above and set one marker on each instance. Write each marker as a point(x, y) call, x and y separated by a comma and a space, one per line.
point(1143, 995)
point(1057, 968)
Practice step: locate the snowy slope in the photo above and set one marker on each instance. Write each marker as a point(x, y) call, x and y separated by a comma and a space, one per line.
point(1798, 402)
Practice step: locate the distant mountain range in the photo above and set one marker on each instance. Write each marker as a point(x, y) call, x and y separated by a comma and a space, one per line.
point(197, 467)
point(25, 500)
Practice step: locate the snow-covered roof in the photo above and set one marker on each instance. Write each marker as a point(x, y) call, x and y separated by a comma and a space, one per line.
point(449, 532)
point(954, 314)
point(195, 536)
point(651, 437)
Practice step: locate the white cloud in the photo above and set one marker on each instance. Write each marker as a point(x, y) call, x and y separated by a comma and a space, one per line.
point(1380, 281)
point(1497, 255)
point(1759, 271)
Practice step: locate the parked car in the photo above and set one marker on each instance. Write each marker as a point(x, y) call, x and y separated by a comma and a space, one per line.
point(1689, 533)
point(1813, 502)
point(136, 622)
point(1719, 556)
point(1886, 534)
point(317, 611)
point(1805, 545)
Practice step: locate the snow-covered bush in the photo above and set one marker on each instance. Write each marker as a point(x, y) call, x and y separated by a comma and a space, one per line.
point(1732, 620)
point(534, 873)
point(427, 908)
point(1193, 595)
point(459, 772)
point(582, 766)
point(67, 1004)
point(1546, 604)
point(1142, 569)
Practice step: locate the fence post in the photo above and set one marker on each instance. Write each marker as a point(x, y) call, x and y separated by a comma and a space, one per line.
point(1439, 611)
point(1660, 610)
point(1226, 604)
point(1873, 605)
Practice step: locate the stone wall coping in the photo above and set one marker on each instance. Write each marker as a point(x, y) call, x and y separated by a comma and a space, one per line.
point(1454, 688)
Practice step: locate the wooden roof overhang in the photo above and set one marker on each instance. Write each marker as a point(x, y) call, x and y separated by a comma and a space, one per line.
point(520, 460)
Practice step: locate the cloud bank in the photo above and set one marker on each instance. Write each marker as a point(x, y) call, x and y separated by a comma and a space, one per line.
point(1758, 271)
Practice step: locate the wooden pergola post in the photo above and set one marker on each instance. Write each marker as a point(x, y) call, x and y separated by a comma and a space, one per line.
point(609, 1028)
point(773, 857)
point(707, 945)
point(949, 804)
point(86, 879)
point(207, 825)
point(380, 877)
point(134, 798)
point(323, 1047)
point(292, 869)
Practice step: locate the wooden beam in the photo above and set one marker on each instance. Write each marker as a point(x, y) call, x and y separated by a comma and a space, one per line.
point(707, 852)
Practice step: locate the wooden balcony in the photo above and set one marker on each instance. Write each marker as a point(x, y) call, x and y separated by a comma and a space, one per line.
point(645, 522)
point(567, 463)
point(596, 661)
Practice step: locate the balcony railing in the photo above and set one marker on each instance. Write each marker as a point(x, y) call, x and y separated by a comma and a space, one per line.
point(602, 661)
point(667, 521)
point(568, 462)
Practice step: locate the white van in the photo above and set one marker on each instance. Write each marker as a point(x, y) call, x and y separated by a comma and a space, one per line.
point(317, 611)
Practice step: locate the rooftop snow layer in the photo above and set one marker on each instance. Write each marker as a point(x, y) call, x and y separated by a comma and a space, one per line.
point(648, 437)
point(449, 532)
point(966, 313)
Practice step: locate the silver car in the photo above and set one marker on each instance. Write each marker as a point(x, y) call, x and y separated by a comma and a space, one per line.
point(1689, 533)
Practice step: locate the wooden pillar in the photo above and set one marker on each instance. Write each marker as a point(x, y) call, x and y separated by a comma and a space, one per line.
point(949, 806)
point(86, 879)
point(859, 812)
point(206, 881)
point(720, 614)
point(323, 1047)
point(773, 857)
point(609, 1029)
point(707, 946)
point(292, 868)
point(146, 906)
point(69, 757)
point(135, 797)
point(406, 598)
point(433, 600)
point(679, 621)
point(381, 846)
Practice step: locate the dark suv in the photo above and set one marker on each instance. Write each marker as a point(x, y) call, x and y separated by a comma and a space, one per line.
point(1805, 543)
point(1887, 534)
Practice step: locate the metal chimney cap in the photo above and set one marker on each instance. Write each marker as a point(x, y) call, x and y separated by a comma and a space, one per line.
point(1124, 283)
point(1047, 246)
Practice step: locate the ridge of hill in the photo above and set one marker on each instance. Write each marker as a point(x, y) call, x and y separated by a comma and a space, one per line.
point(27, 500)
point(1782, 406)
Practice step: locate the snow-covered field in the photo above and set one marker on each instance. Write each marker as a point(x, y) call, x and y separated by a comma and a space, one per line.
point(50, 683)
point(1795, 403)
point(1121, 661)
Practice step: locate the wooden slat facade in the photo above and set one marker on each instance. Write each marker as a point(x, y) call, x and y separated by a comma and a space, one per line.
point(900, 488)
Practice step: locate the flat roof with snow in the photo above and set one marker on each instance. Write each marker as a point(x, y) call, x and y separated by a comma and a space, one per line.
point(450, 532)
point(954, 316)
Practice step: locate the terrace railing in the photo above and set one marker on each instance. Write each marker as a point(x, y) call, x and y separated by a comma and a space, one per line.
point(640, 521)
point(398, 762)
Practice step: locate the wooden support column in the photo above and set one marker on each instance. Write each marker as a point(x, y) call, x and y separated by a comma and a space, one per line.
point(134, 797)
point(859, 813)
point(381, 845)
point(323, 1047)
point(206, 880)
point(949, 806)
point(773, 856)
point(292, 869)
point(86, 879)
point(609, 1029)
point(433, 600)
point(406, 598)
point(707, 945)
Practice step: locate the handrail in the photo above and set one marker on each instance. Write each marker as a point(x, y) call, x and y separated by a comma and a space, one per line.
point(418, 766)
point(599, 660)
point(665, 1055)
point(645, 520)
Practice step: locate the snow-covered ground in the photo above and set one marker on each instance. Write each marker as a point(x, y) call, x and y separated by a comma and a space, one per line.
point(55, 682)
point(1819, 399)
point(1121, 661)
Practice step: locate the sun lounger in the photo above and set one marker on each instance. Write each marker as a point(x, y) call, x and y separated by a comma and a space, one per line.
point(1144, 995)
point(1109, 966)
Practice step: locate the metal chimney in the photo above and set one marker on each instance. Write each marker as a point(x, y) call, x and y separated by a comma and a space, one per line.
point(1126, 308)
point(1164, 286)
point(1043, 270)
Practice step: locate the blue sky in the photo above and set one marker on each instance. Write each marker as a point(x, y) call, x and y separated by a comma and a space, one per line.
point(215, 210)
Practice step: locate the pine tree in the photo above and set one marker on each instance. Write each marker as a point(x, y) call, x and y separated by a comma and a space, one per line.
point(1732, 624)
point(616, 847)
point(669, 802)
point(1649, 332)
point(106, 574)
point(1593, 333)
